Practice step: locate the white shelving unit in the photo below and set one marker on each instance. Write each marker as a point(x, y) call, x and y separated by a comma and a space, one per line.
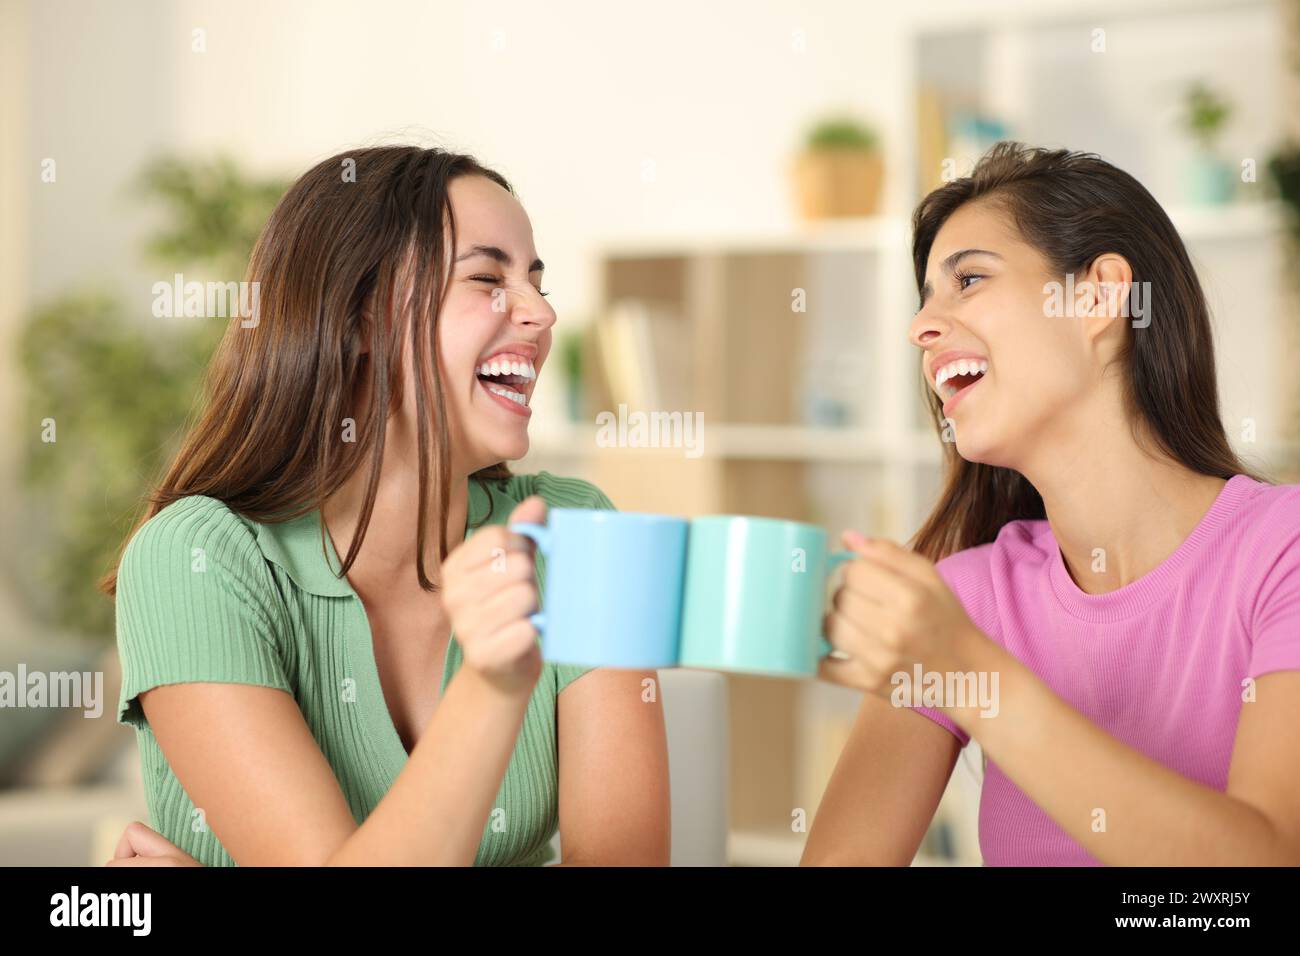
point(887, 453)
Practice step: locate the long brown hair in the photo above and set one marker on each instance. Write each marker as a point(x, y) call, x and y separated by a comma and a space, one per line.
point(1073, 207)
point(331, 267)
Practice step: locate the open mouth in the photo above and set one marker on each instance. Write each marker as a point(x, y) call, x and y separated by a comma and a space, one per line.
point(956, 377)
point(509, 379)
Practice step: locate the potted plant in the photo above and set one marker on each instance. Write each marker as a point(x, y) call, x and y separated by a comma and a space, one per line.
point(1209, 176)
point(571, 346)
point(119, 388)
point(839, 172)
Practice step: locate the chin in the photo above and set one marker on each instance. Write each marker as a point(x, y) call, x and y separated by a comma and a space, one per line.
point(984, 450)
point(974, 448)
point(497, 450)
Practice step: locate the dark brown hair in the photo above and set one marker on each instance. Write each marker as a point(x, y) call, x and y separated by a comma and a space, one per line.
point(344, 244)
point(1073, 207)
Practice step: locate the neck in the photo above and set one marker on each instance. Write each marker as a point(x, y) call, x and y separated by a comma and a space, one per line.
point(1116, 509)
point(388, 555)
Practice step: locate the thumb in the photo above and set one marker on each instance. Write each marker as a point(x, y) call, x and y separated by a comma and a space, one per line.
point(532, 510)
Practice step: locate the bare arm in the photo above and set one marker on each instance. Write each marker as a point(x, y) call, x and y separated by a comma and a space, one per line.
point(245, 755)
point(271, 798)
point(884, 790)
point(1153, 815)
point(614, 788)
point(895, 612)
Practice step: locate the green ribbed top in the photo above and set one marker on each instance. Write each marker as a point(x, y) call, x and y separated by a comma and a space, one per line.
point(204, 594)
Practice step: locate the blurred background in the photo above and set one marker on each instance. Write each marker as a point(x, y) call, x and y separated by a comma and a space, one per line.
point(721, 193)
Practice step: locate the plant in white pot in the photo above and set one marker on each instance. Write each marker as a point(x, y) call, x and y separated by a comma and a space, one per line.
point(839, 172)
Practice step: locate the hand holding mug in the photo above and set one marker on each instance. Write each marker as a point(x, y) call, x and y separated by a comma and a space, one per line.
point(892, 611)
point(489, 589)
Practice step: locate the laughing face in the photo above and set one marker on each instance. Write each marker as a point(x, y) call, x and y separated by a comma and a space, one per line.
point(494, 326)
point(1008, 374)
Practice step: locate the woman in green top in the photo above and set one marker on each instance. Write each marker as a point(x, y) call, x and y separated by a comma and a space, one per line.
point(392, 706)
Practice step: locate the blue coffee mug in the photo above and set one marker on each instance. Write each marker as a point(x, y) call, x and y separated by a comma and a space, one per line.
point(614, 584)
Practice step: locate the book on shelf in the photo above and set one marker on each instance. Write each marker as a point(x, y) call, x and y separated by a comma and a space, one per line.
point(645, 356)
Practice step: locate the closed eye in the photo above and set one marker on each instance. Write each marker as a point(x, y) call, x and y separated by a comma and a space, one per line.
point(496, 281)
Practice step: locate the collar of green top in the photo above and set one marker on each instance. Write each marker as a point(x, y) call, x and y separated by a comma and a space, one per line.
point(295, 545)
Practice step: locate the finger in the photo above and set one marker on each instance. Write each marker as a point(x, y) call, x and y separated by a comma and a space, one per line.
point(485, 546)
point(512, 643)
point(501, 609)
point(124, 848)
point(858, 608)
point(877, 582)
point(854, 672)
point(902, 560)
point(139, 839)
point(847, 672)
point(479, 586)
point(147, 861)
point(845, 636)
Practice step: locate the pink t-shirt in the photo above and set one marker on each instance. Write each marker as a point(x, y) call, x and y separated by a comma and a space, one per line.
point(1157, 664)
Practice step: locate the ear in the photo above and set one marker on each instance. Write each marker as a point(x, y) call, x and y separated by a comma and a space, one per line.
point(1103, 296)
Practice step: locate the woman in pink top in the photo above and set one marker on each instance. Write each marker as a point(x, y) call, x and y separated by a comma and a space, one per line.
point(1114, 615)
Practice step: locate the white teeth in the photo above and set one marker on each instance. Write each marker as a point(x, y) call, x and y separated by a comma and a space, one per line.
point(523, 369)
point(960, 367)
point(514, 396)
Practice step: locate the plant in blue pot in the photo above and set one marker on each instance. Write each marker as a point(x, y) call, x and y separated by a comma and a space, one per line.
point(1210, 178)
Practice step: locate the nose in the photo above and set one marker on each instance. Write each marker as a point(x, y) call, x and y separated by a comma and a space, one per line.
point(927, 326)
point(530, 310)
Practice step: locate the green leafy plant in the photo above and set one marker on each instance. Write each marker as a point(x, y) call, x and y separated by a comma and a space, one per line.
point(1205, 114)
point(843, 133)
point(113, 390)
point(214, 211)
point(1284, 167)
point(571, 346)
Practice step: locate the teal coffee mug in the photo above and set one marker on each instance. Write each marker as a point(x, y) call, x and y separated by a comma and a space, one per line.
point(613, 594)
point(755, 595)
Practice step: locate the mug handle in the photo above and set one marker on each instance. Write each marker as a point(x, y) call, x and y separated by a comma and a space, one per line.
point(832, 562)
point(540, 535)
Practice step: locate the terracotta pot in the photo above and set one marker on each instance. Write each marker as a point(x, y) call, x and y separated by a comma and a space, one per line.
point(838, 182)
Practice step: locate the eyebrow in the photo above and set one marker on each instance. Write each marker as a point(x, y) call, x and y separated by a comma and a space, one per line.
point(949, 266)
point(498, 254)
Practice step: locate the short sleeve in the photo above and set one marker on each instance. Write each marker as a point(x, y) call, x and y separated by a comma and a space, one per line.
point(560, 492)
point(195, 602)
point(943, 720)
point(1275, 631)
